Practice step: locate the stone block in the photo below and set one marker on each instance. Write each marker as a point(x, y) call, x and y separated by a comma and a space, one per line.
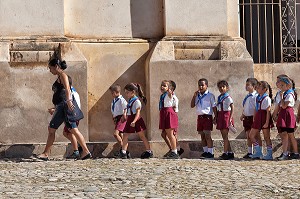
point(195, 17)
point(31, 17)
point(114, 18)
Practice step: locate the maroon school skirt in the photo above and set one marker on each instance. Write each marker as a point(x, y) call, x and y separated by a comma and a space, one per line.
point(168, 119)
point(223, 120)
point(286, 118)
point(119, 124)
point(204, 123)
point(247, 122)
point(260, 120)
point(139, 125)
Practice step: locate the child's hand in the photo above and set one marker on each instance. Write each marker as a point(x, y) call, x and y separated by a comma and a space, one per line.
point(196, 93)
point(132, 124)
point(242, 117)
point(51, 110)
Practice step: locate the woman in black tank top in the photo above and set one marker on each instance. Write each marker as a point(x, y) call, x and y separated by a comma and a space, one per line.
point(62, 97)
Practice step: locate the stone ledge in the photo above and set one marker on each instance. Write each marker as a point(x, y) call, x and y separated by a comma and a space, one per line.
point(192, 149)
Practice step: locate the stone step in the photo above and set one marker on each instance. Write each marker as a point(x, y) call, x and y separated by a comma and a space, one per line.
point(193, 149)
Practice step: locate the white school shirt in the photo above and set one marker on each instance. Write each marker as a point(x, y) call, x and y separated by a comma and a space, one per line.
point(249, 107)
point(267, 102)
point(171, 102)
point(226, 104)
point(137, 104)
point(277, 97)
point(208, 102)
point(120, 105)
point(290, 98)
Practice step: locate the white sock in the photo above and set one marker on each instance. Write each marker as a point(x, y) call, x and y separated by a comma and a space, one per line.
point(211, 150)
point(205, 149)
point(175, 151)
point(250, 149)
point(123, 151)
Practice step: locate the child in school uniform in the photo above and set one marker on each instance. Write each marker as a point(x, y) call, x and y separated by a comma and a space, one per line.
point(262, 121)
point(204, 101)
point(286, 121)
point(248, 112)
point(134, 121)
point(225, 117)
point(175, 102)
point(118, 110)
point(168, 119)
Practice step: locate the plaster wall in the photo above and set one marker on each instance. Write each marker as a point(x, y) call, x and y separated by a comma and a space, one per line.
point(31, 17)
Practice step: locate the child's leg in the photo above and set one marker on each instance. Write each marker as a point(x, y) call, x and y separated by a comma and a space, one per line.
point(253, 134)
point(256, 141)
point(209, 141)
point(118, 137)
point(172, 139)
point(72, 139)
point(203, 141)
point(284, 140)
point(144, 139)
point(293, 142)
point(125, 141)
point(267, 138)
point(166, 139)
point(249, 143)
point(227, 147)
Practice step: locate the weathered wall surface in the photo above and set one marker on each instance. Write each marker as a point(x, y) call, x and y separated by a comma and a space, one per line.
point(108, 64)
point(114, 18)
point(195, 17)
point(26, 95)
point(31, 17)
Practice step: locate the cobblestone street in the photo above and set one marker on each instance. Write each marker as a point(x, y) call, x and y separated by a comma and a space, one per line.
point(154, 178)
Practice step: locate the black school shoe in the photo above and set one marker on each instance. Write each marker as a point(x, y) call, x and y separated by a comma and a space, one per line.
point(203, 155)
point(181, 150)
point(224, 156)
point(167, 153)
point(230, 156)
point(209, 156)
point(294, 156)
point(248, 156)
point(87, 156)
point(173, 155)
point(147, 155)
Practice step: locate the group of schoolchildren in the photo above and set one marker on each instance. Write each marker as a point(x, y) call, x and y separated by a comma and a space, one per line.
point(256, 116)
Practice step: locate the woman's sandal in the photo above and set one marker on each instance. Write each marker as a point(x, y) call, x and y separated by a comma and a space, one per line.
point(42, 158)
point(87, 156)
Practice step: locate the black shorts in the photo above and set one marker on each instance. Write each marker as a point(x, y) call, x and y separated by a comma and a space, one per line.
point(59, 117)
point(288, 130)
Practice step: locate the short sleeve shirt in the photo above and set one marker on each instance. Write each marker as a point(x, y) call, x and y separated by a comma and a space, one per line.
point(206, 105)
point(267, 102)
point(290, 98)
point(137, 104)
point(120, 106)
point(226, 104)
point(249, 107)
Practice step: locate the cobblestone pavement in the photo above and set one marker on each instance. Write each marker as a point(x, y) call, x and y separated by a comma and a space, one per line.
point(154, 178)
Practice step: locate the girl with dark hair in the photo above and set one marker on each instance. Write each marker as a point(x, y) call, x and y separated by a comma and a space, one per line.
point(262, 121)
point(225, 117)
point(286, 121)
point(134, 121)
point(61, 97)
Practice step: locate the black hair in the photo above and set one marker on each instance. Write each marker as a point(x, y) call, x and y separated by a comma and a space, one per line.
point(253, 81)
point(267, 86)
point(204, 80)
point(288, 80)
point(173, 85)
point(222, 83)
point(56, 61)
point(138, 89)
point(281, 76)
point(116, 88)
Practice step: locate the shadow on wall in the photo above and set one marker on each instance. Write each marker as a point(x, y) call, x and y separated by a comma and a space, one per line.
point(101, 126)
point(147, 18)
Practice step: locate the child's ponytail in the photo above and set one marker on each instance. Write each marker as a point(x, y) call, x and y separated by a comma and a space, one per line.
point(294, 88)
point(270, 93)
point(141, 93)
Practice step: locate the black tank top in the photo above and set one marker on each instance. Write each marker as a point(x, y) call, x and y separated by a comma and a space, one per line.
point(59, 92)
